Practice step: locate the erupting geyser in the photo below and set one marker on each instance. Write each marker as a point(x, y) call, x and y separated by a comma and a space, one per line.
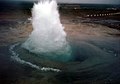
point(48, 37)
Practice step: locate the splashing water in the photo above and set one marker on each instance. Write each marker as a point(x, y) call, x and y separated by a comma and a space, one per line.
point(48, 37)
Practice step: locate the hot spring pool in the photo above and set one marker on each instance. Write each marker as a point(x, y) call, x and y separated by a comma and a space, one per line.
point(84, 55)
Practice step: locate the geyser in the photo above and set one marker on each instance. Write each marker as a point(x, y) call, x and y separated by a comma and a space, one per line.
point(48, 38)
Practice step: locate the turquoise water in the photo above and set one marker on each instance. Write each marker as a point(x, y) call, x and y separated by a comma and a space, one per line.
point(95, 60)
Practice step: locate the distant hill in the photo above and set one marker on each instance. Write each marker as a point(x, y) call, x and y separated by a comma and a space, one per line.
point(28, 5)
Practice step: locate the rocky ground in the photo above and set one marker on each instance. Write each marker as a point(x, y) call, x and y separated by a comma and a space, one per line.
point(98, 43)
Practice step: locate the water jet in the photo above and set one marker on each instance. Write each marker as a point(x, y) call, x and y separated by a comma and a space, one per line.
point(48, 37)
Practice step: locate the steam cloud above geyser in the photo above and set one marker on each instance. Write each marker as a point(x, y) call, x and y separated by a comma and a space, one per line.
point(48, 37)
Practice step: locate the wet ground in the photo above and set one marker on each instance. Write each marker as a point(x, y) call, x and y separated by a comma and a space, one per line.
point(96, 49)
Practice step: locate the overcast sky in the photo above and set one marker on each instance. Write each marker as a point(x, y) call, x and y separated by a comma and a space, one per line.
point(82, 1)
point(91, 1)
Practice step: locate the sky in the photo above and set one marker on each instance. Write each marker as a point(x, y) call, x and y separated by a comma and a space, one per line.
point(92, 1)
point(82, 1)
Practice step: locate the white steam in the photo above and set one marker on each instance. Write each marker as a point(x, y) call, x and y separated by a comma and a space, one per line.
point(48, 34)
